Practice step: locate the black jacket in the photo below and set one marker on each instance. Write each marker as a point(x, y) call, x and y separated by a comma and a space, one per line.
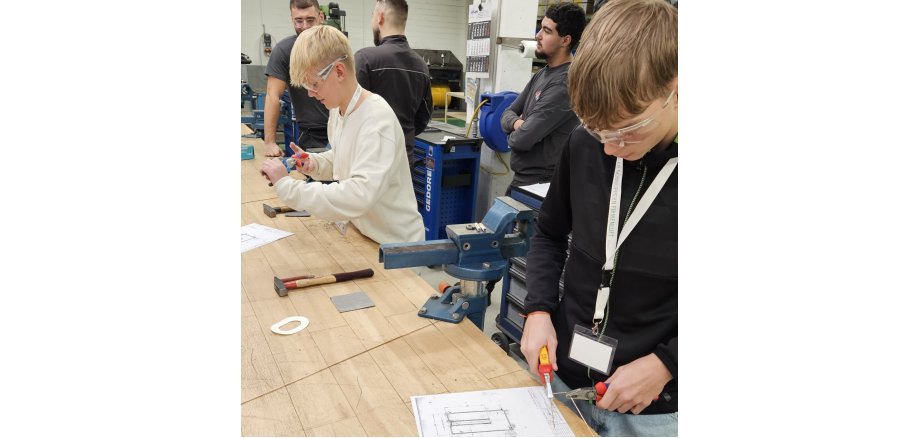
point(399, 75)
point(643, 298)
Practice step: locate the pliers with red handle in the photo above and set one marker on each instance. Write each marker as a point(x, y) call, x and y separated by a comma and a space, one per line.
point(594, 394)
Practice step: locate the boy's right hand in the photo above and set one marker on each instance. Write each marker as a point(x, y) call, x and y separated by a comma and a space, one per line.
point(302, 160)
point(539, 332)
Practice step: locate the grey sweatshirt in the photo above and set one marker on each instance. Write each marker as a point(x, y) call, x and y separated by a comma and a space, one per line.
point(548, 120)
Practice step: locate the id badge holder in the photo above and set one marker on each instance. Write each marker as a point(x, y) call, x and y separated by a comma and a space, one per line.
point(342, 226)
point(593, 351)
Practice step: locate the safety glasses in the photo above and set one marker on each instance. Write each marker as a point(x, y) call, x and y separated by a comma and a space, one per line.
point(630, 134)
point(323, 74)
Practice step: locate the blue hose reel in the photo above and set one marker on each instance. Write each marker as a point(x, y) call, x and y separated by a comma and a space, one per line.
point(490, 118)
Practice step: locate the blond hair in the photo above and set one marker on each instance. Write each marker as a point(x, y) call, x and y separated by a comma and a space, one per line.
point(314, 49)
point(627, 59)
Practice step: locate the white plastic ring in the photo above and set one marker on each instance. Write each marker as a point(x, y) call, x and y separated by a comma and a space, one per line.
point(276, 327)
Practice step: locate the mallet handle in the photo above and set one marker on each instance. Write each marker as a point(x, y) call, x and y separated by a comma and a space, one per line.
point(327, 279)
point(299, 277)
point(307, 282)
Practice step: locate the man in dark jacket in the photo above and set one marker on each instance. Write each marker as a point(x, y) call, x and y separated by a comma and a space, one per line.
point(615, 191)
point(539, 121)
point(395, 72)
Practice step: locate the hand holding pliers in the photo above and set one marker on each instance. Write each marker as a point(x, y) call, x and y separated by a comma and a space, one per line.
point(591, 394)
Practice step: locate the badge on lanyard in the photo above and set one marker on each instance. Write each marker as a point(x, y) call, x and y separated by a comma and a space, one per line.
point(593, 350)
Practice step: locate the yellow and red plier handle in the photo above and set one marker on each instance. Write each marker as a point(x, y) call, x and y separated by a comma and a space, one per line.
point(545, 368)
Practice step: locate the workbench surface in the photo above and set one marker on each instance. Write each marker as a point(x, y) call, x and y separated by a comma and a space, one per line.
point(347, 373)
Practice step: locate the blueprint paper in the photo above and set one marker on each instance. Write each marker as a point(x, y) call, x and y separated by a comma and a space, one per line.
point(253, 236)
point(495, 412)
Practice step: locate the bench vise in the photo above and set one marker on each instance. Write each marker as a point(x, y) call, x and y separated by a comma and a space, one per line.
point(475, 253)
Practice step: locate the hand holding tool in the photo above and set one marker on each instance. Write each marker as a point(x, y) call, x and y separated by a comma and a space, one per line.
point(281, 286)
point(288, 164)
point(546, 370)
point(301, 160)
point(592, 394)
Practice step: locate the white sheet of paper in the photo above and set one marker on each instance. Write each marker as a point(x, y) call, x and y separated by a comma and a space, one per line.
point(537, 189)
point(591, 353)
point(255, 235)
point(495, 412)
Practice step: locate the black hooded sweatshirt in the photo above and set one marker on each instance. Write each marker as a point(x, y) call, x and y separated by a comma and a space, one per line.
point(643, 297)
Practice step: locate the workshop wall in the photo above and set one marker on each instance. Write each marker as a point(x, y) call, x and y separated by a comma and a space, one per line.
point(433, 24)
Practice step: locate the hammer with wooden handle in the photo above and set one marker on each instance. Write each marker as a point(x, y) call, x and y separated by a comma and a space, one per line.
point(282, 286)
point(273, 211)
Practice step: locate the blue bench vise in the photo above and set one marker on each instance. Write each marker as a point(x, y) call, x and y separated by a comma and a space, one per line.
point(475, 253)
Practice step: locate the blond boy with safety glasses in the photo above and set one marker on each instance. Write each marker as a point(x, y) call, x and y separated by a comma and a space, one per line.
point(366, 170)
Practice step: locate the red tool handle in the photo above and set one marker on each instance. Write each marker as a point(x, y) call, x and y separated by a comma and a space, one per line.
point(300, 158)
point(601, 388)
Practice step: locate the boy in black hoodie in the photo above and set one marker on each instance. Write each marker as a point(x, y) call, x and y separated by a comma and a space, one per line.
point(615, 191)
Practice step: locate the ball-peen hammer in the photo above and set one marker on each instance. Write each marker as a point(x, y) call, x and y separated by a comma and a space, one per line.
point(281, 286)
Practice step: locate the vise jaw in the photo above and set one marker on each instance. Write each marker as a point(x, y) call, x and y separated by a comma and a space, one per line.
point(478, 251)
point(473, 253)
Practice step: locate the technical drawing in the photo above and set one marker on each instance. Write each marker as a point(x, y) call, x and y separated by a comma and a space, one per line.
point(475, 422)
point(500, 412)
point(255, 235)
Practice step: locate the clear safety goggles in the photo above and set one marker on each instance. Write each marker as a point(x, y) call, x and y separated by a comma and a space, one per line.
point(323, 74)
point(630, 134)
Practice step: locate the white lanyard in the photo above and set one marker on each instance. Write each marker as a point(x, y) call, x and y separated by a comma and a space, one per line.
point(354, 100)
point(348, 110)
point(613, 221)
point(342, 225)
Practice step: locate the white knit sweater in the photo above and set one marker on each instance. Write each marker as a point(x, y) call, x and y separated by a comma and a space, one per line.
point(368, 161)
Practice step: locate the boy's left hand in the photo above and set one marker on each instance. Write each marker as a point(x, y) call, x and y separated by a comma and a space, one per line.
point(273, 170)
point(302, 160)
point(635, 385)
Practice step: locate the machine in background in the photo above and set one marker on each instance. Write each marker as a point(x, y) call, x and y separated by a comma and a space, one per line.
point(335, 16)
point(446, 73)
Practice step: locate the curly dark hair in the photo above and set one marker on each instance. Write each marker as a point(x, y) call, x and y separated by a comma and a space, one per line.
point(570, 20)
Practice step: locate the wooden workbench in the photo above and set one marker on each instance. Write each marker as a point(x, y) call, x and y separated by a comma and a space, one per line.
point(347, 373)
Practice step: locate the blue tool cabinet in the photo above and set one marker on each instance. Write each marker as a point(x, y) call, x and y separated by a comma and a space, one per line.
point(445, 176)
